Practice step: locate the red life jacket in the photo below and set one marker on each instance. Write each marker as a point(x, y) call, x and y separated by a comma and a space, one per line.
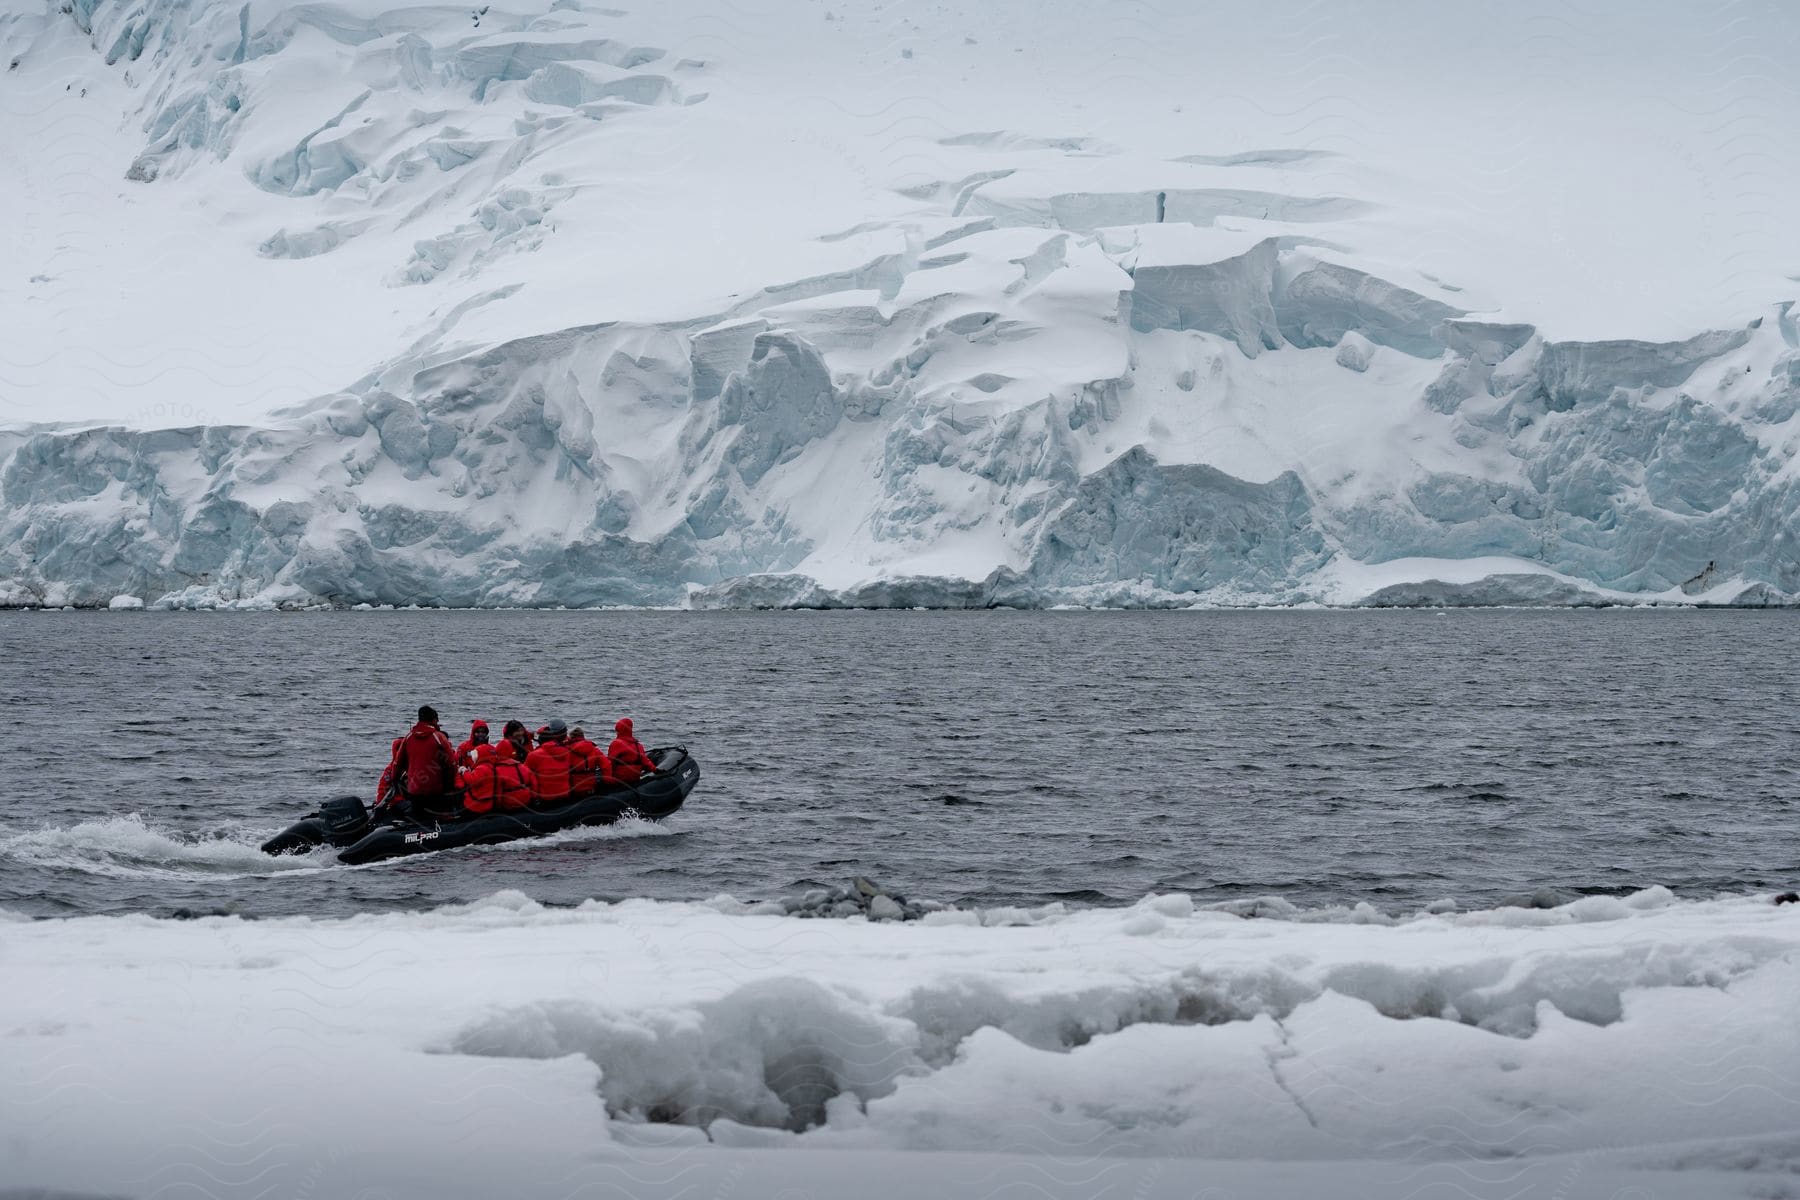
point(551, 763)
point(516, 784)
point(629, 759)
point(590, 770)
point(480, 788)
point(497, 781)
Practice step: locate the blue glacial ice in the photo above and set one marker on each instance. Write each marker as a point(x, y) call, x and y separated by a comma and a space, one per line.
point(1018, 398)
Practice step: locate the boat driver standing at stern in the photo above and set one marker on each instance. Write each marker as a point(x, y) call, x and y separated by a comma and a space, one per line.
point(422, 769)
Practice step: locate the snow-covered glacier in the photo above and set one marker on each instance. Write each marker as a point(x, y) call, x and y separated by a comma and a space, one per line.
point(358, 303)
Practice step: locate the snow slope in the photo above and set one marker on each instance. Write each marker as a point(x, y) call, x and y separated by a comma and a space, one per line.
point(1611, 1047)
point(773, 304)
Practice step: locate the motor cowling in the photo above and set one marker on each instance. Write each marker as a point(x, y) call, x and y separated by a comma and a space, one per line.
point(344, 813)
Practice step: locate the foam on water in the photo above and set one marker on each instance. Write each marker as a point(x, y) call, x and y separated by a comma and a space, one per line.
point(129, 846)
point(629, 828)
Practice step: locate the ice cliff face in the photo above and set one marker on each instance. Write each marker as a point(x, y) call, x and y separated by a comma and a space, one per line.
point(1003, 389)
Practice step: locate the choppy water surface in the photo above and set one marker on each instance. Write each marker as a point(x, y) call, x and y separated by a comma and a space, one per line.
point(985, 758)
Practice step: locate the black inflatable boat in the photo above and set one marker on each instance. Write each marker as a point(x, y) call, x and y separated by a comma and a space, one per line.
point(364, 837)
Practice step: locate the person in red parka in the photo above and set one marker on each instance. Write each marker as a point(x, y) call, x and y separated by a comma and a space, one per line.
point(498, 781)
point(422, 768)
point(551, 763)
point(590, 769)
point(629, 758)
point(476, 747)
point(516, 733)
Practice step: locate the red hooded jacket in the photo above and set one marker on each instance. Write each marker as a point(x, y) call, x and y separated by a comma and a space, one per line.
point(552, 762)
point(471, 751)
point(497, 781)
point(629, 758)
point(423, 764)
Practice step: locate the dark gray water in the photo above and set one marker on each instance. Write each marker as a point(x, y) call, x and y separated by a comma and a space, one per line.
point(980, 758)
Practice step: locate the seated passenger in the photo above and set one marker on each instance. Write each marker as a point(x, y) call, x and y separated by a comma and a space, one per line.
point(516, 733)
point(590, 769)
point(475, 748)
point(422, 769)
point(629, 758)
point(551, 762)
point(499, 781)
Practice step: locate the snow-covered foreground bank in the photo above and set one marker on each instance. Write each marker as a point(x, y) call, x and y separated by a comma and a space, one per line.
point(777, 304)
point(1160, 1050)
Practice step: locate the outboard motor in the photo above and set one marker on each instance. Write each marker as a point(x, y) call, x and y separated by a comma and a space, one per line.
point(343, 815)
point(339, 821)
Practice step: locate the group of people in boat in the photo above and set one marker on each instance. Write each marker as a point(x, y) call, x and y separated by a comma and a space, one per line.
point(428, 775)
